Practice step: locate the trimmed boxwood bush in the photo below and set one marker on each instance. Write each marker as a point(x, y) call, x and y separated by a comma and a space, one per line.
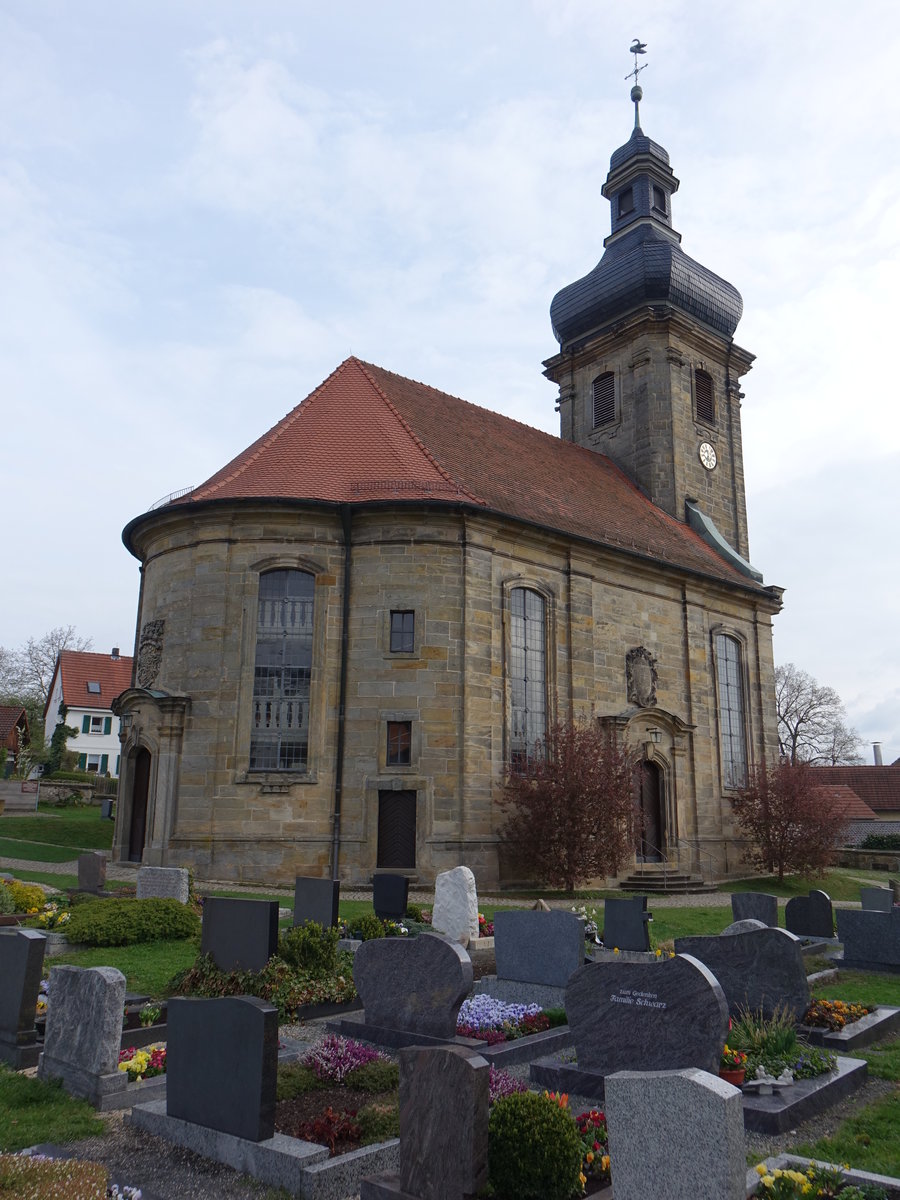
point(534, 1151)
point(310, 948)
point(26, 896)
point(880, 841)
point(123, 922)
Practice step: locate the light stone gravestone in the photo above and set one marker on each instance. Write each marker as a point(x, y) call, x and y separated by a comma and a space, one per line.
point(444, 1103)
point(626, 924)
point(538, 947)
point(876, 899)
point(760, 969)
point(755, 906)
point(455, 912)
point(21, 964)
point(651, 1016)
point(810, 916)
point(92, 872)
point(84, 1033)
point(871, 939)
point(675, 1134)
point(163, 883)
point(316, 900)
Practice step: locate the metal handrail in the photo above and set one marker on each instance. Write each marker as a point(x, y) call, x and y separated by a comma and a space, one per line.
point(676, 844)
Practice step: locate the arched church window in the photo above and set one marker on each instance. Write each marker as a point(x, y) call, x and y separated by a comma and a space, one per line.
point(603, 395)
point(704, 397)
point(732, 711)
point(279, 734)
point(527, 674)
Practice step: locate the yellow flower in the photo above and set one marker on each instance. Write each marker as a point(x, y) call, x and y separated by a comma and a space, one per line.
point(589, 1157)
point(761, 1168)
point(658, 953)
point(615, 949)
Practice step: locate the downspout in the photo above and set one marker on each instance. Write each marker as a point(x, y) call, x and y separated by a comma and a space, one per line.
point(346, 522)
point(741, 544)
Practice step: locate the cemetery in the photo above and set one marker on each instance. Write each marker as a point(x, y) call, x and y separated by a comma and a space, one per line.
point(718, 1026)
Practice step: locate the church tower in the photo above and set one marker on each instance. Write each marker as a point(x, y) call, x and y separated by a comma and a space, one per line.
point(648, 370)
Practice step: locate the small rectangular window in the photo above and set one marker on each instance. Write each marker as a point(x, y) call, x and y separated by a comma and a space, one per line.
point(704, 399)
point(626, 201)
point(603, 394)
point(659, 199)
point(96, 725)
point(403, 632)
point(93, 763)
point(399, 743)
point(93, 687)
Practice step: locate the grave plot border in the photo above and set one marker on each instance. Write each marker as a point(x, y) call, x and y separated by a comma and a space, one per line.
point(851, 1175)
point(302, 1168)
point(503, 1054)
point(868, 1029)
point(865, 964)
point(806, 1098)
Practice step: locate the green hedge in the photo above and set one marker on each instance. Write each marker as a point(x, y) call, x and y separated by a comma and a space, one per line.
point(123, 922)
point(880, 841)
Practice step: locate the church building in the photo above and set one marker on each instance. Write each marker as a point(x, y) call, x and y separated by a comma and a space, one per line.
point(348, 634)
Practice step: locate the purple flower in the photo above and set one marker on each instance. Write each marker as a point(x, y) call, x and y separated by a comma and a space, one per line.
point(484, 1012)
point(335, 1057)
point(504, 1084)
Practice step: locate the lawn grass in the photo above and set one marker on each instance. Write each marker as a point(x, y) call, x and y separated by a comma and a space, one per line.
point(841, 883)
point(862, 987)
point(61, 882)
point(32, 1111)
point(870, 1141)
point(36, 851)
point(80, 828)
point(147, 966)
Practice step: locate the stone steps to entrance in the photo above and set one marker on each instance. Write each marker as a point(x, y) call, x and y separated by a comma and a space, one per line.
point(661, 883)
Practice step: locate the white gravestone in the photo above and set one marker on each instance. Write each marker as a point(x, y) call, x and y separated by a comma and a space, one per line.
point(163, 883)
point(455, 912)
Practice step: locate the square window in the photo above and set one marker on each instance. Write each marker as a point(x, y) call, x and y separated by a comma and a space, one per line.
point(403, 632)
point(96, 725)
point(93, 687)
point(93, 763)
point(399, 743)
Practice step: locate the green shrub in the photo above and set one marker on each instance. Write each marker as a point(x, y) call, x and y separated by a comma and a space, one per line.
point(310, 947)
point(368, 927)
point(378, 1122)
point(287, 987)
point(880, 841)
point(294, 1079)
point(7, 904)
point(534, 1151)
point(124, 922)
point(556, 1017)
point(772, 1043)
point(375, 1076)
point(414, 913)
point(26, 896)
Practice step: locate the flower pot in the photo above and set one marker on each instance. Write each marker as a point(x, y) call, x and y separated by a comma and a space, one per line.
point(735, 1076)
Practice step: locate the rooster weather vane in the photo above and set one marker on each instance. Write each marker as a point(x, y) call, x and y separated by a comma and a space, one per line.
point(637, 47)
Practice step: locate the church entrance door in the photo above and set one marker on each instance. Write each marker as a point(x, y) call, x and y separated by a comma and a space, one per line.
point(650, 814)
point(396, 829)
point(140, 791)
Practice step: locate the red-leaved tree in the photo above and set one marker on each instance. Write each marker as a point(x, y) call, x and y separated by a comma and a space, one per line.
point(571, 807)
point(792, 822)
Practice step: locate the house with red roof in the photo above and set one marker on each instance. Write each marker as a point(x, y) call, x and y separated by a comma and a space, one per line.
point(350, 634)
point(13, 729)
point(81, 694)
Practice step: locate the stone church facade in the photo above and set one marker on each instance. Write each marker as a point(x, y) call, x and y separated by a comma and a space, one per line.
point(347, 635)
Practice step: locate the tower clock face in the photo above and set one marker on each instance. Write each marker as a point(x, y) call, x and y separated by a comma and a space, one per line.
point(708, 455)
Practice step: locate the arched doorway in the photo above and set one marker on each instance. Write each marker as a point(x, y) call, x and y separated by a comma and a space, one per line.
point(651, 832)
point(140, 791)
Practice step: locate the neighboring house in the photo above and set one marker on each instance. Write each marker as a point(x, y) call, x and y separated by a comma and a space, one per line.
point(856, 812)
point(86, 685)
point(349, 633)
point(13, 727)
point(878, 787)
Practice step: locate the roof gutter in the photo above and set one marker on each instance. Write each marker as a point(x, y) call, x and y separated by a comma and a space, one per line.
point(346, 514)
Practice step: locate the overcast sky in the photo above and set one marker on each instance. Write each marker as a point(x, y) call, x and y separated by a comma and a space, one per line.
point(205, 205)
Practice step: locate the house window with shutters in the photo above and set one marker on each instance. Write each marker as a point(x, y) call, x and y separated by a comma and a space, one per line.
point(95, 724)
point(704, 398)
point(603, 399)
point(527, 675)
point(732, 711)
point(279, 731)
point(95, 764)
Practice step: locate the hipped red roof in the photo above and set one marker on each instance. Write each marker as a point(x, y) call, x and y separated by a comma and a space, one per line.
point(368, 435)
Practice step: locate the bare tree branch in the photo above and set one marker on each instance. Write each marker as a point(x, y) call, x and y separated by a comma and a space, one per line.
point(812, 721)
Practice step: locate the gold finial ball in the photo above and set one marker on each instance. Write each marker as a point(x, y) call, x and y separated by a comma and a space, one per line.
point(636, 94)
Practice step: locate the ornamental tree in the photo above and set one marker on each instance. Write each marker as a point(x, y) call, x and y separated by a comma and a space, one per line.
point(571, 806)
point(792, 823)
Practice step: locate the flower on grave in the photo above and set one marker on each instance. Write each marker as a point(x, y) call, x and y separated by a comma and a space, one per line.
point(732, 1060)
point(501, 1083)
point(495, 1021)
point(615, 949)
point(335, 1057)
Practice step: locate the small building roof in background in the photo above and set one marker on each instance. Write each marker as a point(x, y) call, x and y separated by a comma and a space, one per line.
point(91, 680)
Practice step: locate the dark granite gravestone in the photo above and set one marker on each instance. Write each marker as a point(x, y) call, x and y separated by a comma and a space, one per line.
point(92, 871)
point(810, 916)
point(413, 984)
point(653, 1016)
point(222, 1064)
point(241, 935)
point(876, 899)
point(316, 900)
point(538, 947)
point(626, 924)
point(21, 964)
point(758, 969)
point(755, 906)
point(390, 896)
point(871, 939)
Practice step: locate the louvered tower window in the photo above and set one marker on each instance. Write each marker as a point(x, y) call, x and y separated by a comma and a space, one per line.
point(603, 393)
point(279, 734)
point(704, 400)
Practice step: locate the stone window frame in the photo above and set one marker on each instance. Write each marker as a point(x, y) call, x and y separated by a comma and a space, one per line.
point(735, 636)
point(402, 604)
point(279, 778)
point(399, 716)
point(708, 422)
point(547, 594)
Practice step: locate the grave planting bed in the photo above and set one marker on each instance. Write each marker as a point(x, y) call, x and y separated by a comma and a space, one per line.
point(881, 1023)
point(806, 1098)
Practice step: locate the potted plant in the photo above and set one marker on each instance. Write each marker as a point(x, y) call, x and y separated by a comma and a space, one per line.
point(732, 1066)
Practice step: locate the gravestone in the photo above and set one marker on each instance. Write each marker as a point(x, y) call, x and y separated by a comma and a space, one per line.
point(758, 968)
point(677, 1134)
point(876, 899)
point(810, 916)
point(455, 912)
point(871, 939)
point(538, 947)
point(92, 872)
point(84, 1033)
point(241, 935)
point(222, 1064)
point(316, 900)
point(390, 896)
point(21, 965)
point(444, 1102)
point(755, 906)
point(895, 889)
point(626, 924)
point(414, 985)
point(664, 1015)
point(163, 883)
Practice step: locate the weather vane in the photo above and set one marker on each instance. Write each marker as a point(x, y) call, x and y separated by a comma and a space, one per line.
point(637, 47)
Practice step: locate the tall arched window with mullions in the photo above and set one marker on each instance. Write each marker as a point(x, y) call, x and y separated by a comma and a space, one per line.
point(279, 734)
point(732, 714)
point(527, 674)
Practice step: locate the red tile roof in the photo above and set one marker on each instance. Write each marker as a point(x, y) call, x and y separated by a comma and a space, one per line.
point(78, 668)
point(10, 716)
point(368, 435)
point(878, 787)
point(846, 799)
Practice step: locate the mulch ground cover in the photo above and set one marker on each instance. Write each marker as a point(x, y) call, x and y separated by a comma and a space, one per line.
point(295, 1117)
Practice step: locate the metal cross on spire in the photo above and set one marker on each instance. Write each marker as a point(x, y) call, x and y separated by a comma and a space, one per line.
point(637, 47)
